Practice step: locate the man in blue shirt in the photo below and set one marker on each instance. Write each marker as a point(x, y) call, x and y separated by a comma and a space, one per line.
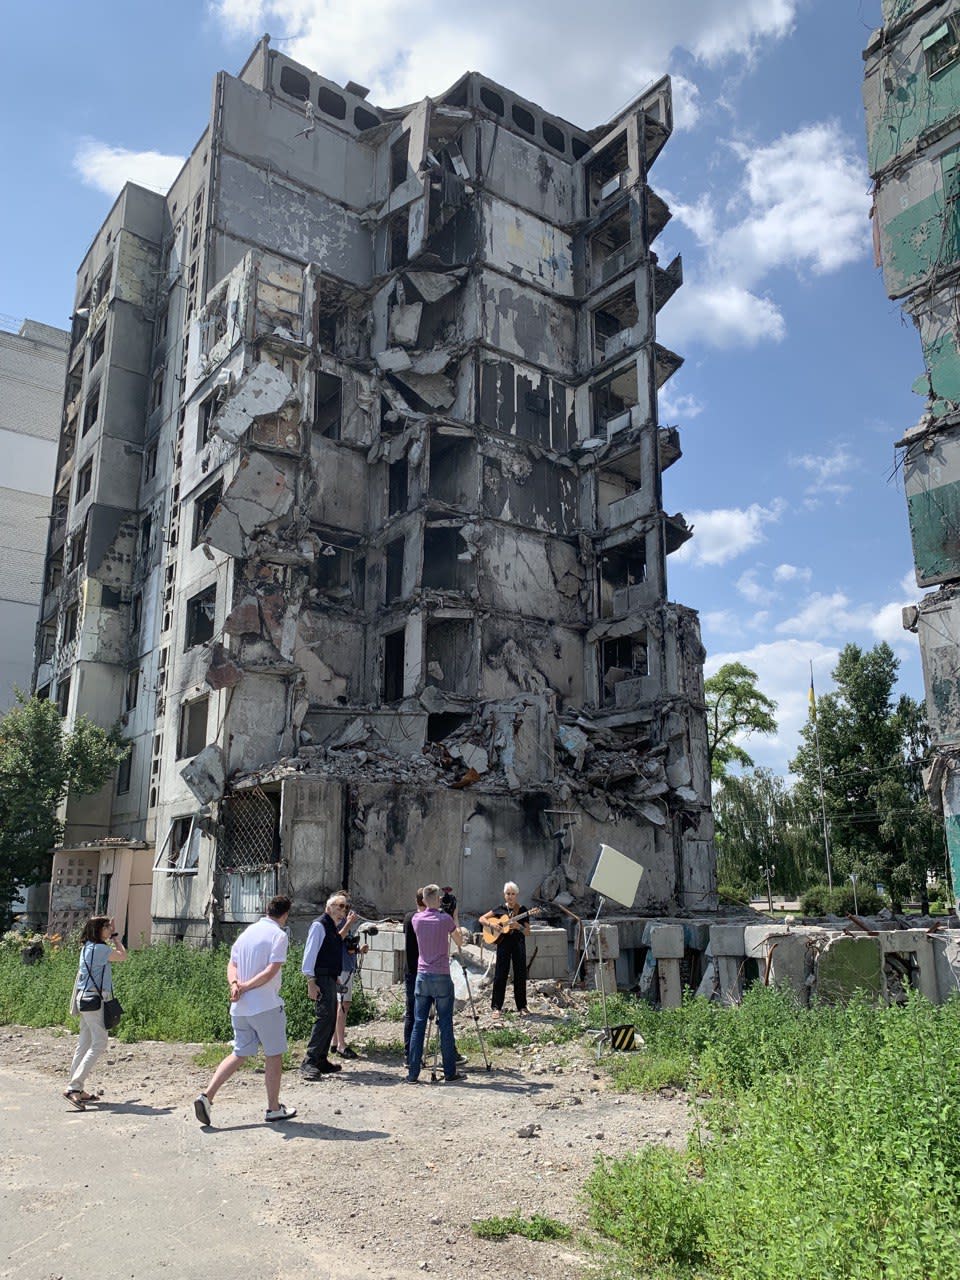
point(322, 962)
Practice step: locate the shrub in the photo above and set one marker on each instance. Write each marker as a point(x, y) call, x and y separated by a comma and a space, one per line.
point(841, 901)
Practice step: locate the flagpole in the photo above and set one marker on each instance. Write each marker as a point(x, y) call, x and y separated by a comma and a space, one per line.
point(823, 804)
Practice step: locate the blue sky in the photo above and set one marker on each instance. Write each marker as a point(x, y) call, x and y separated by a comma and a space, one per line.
point(798, 370)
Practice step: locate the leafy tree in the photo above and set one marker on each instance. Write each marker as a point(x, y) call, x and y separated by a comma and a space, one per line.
point(735, 708)
point(760, 824)
point(880, 823)
point(40, 765)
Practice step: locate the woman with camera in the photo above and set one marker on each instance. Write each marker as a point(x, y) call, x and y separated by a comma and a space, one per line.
point(101, 947)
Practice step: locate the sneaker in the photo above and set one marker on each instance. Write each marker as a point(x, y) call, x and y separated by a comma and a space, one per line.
point(461, 1060)
point(281, 1113)
point(201, 1108)
point(309, 1073)
point(349, 1053)
point(410, 1080)
point(454, 1079)
point(325, 1067)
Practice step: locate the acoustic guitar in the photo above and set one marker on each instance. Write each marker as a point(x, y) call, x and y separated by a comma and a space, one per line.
point(503, 924)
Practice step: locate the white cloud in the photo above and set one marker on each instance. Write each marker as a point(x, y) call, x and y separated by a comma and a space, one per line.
point(825, 615)
point(908, 585)
point(724, 621)
point(826, 471)
point(686, 103)
point(719, 314)
point(791, 573)
point(404, 49)
point(682, 406)
point(699, 217)
point(752, 590)
point(727, 532)
point(887, 624)
point(107, 168)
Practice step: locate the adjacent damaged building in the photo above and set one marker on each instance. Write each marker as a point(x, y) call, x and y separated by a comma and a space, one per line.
point(363, 533)
point(912, 99)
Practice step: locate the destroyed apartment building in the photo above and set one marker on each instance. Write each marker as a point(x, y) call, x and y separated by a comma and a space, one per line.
point(358, 524)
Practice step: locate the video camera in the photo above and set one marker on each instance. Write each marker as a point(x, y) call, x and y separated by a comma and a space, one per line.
point(448, 902)
point(354, 941)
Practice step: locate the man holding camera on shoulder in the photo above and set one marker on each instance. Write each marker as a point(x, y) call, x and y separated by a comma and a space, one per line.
point(434, 928)
point(322, 964)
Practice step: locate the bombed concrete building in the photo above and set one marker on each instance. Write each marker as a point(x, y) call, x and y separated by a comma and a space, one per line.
point(358, 520)
point(912, 99)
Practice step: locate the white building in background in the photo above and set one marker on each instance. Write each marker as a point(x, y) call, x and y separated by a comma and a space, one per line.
point(33, 367)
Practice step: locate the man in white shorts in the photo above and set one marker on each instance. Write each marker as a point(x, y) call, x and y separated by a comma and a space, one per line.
point(256, 1009)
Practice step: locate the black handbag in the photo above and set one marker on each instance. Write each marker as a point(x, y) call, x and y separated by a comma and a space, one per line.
point(112, 1008)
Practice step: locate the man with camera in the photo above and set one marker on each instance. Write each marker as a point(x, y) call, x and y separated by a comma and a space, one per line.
point(353, 948)
point(434, 927)
point(322, 964)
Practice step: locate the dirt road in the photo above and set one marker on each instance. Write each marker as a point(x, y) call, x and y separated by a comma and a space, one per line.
point(372, 1179)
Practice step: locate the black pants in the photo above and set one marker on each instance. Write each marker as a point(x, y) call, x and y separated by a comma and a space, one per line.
point(511, 949)
point(322, 1033)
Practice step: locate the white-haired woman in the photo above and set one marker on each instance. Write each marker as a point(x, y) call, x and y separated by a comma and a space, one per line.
point(511, 947)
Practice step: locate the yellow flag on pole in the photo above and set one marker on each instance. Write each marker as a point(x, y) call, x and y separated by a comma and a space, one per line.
point(813, 700)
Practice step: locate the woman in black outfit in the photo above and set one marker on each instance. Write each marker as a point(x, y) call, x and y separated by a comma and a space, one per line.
point(511, 950)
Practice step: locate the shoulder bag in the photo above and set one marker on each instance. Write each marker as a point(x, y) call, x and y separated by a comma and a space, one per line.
point(112, 1008)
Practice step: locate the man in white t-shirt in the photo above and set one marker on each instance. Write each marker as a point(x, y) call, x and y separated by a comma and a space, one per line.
point(256, 1009)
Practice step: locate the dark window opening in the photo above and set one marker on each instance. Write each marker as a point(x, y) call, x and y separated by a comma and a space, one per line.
point(84, 479)
point(156, 391)
point(523, 118)
point(398, 230)
point(617, 571)
point(150, 463)
point(331, 104)
point(611, 247)
point(132, 690)
point(456, 97)
point(359, 580)
point(579, 147)
point(394, 570)
point(78, 547)
point(942, 45)
point(397, 496)
point(391, 422)
point(146, 532)
point(334, 572)
point(615, 396)
point(203, 509)
point(443, 567)
point(393, 663)
point(201, 610)
point(399, 160)
point(364, 119)
point(63, 696)
point(491, 100)
point(55, 571)
point(607, 173)
point(193, 727)
point(110, 598)
point(70, 619)
point(452, 470)
point(46, 644)
point(43, 694)
point(443, 723)
point(295, 83)
point(328, 405)
point(553, 136)
point(98, 344)
point(205, 416)
point(92, 411)
point(537, 402)
point(624, 658)
point(124, 773)
point(326, 325)
point(618, 315)
point(136, 614)
point(449, 655)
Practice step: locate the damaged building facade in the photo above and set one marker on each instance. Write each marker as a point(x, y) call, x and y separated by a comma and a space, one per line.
point(364, 536)
point(912, 100)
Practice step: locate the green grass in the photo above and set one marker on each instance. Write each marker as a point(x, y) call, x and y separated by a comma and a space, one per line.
point(834, 1151)
point(536, 1227)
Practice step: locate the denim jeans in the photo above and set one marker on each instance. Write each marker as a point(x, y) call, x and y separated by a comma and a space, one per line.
point(409, 991)
point(433, 989)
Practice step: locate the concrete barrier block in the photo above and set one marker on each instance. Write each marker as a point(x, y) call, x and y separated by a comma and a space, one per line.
point(727, 939)
point(696, 935)
point(671, 988)
point(666, 942)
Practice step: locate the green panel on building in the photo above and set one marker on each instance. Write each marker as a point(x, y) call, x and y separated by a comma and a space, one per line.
point(935, 530)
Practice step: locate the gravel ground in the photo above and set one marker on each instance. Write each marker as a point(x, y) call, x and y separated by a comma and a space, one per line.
point(383, 1177)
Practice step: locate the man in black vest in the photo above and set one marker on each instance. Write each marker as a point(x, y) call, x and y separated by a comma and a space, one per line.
point(322, 962)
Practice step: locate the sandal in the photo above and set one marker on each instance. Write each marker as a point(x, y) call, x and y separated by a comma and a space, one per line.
point(75, 1098)
point(89, 1097)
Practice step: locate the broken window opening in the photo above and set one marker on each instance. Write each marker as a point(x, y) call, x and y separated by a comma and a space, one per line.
point(453, 470)
point(359, 580)
point(205, 416)
point(84, 479)
point(92, 410)
point(295, 83)
point(614, 322)
point(180, 850)
point(63, 697)
point(201, 610)
point(941, 47)
point(192, 737)
point(391, 423)
point(43, 693)
point(150, 463)
point(325, 326)
point(156, 390)
point(364, 119)
point(136, 614)
point(442, 723)
point(615, 397)
point(70, 621)
point(579, 147)
point(146, 532)
point(611, 247)
point(618, 571)
point(334, 568)
point(394, 570)
point(46, 644)
point(78, 547)
point(249, 835)
point(398, 229)
point(103, 281)
point(110, 598)
point(491, 100)
point(203, 509)
point(449, 655)
point(553, 136)
point(607, 173)
point(624, 658)
point(397, 487)
point(394, 645)
point(132, 690)
point(399, 160)
point(328, 405)
point(125, 771)
point(447, 565)
point(55, 571)
point(98, 345)
point(523, 118)
point(331, 104)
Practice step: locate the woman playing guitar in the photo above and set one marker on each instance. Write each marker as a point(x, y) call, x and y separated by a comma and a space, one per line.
point(511, 947)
